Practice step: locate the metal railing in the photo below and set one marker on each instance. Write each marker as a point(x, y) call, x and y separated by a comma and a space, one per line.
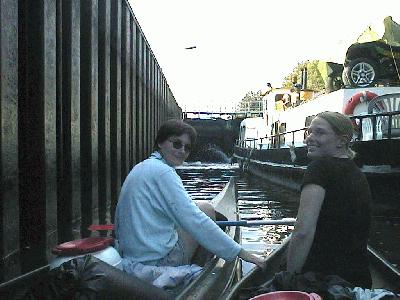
point(377, 125)
point(378, 121)
point(276, 139)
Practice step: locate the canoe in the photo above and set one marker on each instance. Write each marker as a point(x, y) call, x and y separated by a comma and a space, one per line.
point(217, 277)
point(384, 275)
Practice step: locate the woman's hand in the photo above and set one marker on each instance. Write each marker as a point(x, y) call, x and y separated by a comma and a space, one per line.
point(251, 258)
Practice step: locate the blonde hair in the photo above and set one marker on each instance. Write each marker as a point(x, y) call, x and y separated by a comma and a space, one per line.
point(342, 126)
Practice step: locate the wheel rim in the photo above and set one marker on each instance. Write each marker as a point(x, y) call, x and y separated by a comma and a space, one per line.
point(362, 74)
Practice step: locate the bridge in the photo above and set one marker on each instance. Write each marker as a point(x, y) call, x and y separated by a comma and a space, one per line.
point(220, 114)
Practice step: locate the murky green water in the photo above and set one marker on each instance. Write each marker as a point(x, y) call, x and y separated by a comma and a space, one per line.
point(260, 200)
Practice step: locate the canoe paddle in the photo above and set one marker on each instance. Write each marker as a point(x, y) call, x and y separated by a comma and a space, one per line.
point(284, 221)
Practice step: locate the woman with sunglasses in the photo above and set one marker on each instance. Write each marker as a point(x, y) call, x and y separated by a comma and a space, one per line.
point(331, 233)
point(157, 223)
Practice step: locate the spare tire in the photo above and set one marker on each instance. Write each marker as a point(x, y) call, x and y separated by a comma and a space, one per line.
point(360, 72)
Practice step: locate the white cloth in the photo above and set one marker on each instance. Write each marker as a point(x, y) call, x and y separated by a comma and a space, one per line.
point(164, 276)
point(374, 294)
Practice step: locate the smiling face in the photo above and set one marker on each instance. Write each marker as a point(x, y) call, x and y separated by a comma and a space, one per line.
point(176, 149)
point(322, 141)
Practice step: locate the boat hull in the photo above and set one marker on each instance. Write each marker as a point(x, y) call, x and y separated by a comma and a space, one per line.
point(379, 161)
point(216, 278)
point(218, 275)
point(383, 276)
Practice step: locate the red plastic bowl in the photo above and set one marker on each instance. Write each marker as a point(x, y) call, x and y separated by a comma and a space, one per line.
point(287, 295)
point(82, 246)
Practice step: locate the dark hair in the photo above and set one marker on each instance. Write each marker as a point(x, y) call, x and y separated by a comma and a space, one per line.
point(174, 127)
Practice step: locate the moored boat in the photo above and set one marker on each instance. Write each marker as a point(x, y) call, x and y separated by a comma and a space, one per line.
point(217, 275)
point(272, 146)
point(383, 275)
point(281, 157)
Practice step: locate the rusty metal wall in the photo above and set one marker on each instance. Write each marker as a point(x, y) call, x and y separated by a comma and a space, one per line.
point(81, 99)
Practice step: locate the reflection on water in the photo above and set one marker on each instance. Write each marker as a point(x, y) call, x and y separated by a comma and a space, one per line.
point(257, 200)
point(260, 200)
point(205, 181)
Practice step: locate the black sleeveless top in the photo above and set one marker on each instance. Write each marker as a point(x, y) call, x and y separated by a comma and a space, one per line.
point(340, 242)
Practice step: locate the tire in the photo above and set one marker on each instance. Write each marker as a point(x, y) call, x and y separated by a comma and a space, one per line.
point(333, 84)
point(329, 85)
point(345, 79)
point(360, 72)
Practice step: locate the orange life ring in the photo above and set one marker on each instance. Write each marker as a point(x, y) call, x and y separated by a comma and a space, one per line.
point(357, 99)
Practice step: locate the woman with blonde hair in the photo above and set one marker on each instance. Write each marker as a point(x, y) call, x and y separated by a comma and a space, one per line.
point(333, 220)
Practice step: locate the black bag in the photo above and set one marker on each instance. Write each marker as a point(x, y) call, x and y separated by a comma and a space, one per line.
point(89, 278)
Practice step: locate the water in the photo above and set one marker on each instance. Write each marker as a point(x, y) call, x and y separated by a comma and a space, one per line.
point(210, 153)
point(256, 199)
point(260, 200)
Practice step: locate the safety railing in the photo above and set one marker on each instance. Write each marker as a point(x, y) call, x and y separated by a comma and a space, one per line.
point(376, 126)
point(273, 141)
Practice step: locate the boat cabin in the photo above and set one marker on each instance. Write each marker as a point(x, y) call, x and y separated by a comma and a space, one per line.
point(252, 132)
point(287, 112)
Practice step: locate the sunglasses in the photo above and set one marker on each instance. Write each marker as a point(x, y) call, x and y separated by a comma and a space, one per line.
point(177, 144)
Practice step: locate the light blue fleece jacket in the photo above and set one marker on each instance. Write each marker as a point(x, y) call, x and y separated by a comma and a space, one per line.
point(152, 204)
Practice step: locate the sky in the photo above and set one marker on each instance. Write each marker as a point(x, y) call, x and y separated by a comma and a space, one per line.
point(241, 45)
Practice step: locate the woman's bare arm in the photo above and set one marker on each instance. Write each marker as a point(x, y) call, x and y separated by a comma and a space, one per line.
point(311, 199)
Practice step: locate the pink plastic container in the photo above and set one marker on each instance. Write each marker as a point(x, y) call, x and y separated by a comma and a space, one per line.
point(287, 295)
